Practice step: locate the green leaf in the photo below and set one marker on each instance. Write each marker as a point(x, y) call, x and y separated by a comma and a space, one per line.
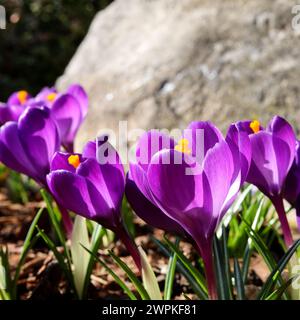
point(226, 262)
point(59, 257)
point(194, 272)
point(223, 289)
point(27, 245)
point(239, 283)
point(112, 273)
point(149, 280)
point(246, 263)
point(96, 240)
point(276, 273)
point(182, 269)
point(141, 290)
point(277, 294)
point(170, 274)
point(55, 223)
point(80, 257)
point(260, 246)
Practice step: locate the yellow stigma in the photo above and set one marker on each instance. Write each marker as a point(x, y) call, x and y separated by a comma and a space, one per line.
point(74, 160)
point(183, 146)
point(51, 96)
point(255, 126)
point(22, 96)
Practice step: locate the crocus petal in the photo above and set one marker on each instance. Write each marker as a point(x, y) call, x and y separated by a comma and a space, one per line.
point(218, 169)
point(292, 183)
point(67, 114)
point(102, 151)
point(79, 93)
point(245, 126)
point(90, 150)
point(184, 197)
point(44, 93)
point(79, 195)
point(13, 99)
point(202, 136)
point(149, 144)
point(60, 161)
point(282, 129)
point(12, 152)
point(271, 161)
point(39, 136)
point(240, 145)
point(9, 113)
point(147, 211)
point(108, 179)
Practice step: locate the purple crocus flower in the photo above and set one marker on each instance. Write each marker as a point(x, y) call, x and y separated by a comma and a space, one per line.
point(193, 182)
point(68, 109)
point(137, 190)
point(9, 113)
point(13, 108)
point(19, 98)
point(91, 188)
point(28, 145)
point(292, 185)
point(273, 152)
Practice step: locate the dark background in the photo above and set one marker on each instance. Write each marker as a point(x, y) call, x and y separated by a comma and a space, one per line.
point(40, 38)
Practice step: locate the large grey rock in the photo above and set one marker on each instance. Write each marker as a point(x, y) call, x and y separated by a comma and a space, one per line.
point(163, 63)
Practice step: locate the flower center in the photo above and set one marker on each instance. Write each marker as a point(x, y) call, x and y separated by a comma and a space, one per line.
point(74, 160)
point(22, 96)
point(51, 96)
point(255, 126)
point(183, 146)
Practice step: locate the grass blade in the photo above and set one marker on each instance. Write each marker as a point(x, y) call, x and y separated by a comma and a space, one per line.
point(277, 294)
point(141, 290)
point(195, 273)
point(112, 273)
point(28, 243)
point(223, 290)
point(59, 257)
point(96, 240)
point(276, 273)
point(183, 270)
point(239, 283)
point(170, 274)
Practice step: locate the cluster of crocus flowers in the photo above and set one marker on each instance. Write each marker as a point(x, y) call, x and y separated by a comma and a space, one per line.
point(182, 186)
point(30, 136)
point(68, 109)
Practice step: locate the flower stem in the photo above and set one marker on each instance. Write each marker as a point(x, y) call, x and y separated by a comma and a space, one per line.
point(130, 245)
point(67, 221)
point(278, 204)
point(206, 253)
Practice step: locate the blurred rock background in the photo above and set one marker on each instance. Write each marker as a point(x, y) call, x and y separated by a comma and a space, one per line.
point(163, 63)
